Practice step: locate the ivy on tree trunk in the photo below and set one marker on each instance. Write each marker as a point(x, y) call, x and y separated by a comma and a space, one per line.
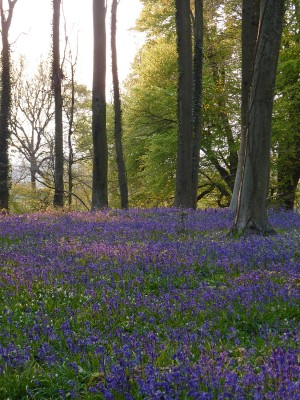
point(5, 104)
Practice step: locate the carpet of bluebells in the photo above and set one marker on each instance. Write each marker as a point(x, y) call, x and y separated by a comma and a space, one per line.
point(148, 304)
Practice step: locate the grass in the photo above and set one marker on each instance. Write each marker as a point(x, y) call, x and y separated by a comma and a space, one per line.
point(131, 305)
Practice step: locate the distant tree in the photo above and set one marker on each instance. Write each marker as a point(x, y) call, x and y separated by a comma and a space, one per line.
point(69, 106)
point(70, 114)
point(32, 112)
point(251, 210)
point(150, 125)
point(118, 128)
point(57, 76)
point(5, 103)
point(78, 124)
point(100, 148)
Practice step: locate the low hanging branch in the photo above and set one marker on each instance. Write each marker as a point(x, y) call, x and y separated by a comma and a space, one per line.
point(65, 191)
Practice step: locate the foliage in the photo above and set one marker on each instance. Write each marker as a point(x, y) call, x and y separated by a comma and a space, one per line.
point(147, 304)
point(150, 125)
point(150, 113)
point(286, 121)
point(24, 199)
point(157, 19)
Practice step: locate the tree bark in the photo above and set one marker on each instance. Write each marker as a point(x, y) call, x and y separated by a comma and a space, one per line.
point(250, 20)
point(100, 148)
point(183, 183)
point(197, 96)
point(118, 110)
point(5, 105)
point(57, 77)
point(251, 210)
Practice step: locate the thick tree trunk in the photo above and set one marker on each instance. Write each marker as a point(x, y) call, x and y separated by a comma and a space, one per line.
point(197, 96)
point(251, 210)
point(5, 105)
point(100, 156)
point(183, 190)
point(250, 20)
point(56, 79)
point(118, 110)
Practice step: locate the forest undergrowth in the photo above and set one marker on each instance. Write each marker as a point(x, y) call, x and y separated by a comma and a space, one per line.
point(148, 304)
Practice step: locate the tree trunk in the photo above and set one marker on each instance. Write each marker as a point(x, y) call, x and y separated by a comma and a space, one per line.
point(57, 76)
point(5, 105)
point(183, 190)
point(100, 148)
point(70, 134)
point(33, 172)
point(251, 210)
point(118, 110)
point(250, 20)
point(197, 96)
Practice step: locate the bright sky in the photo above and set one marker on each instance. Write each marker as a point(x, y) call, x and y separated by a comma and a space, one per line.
point(30, 33)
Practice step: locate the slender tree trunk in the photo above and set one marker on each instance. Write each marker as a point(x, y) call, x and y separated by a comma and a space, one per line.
point(118, 110)
point(251, 210)
point(250, 20)
point(183, 189)
point(70, 134)
point(100, 156)
point(57, 76)
point(33, 172)
point(197, 95)
point(5, 105)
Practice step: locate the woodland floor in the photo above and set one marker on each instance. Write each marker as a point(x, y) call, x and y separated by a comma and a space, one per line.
point(148, 304)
